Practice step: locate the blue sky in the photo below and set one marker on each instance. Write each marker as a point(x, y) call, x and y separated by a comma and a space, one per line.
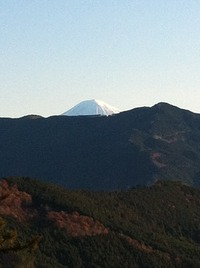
point(128, 53)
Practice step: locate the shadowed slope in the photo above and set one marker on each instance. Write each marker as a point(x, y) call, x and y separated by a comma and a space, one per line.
point(115, 152)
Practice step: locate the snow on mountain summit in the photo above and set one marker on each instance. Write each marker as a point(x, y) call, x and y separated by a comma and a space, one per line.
point(92, 107)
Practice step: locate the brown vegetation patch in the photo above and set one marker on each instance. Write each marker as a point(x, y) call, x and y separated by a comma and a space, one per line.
point(156, 158)
point(76, 224)
point(15, 203)
point(137, 244)
point(148, 249)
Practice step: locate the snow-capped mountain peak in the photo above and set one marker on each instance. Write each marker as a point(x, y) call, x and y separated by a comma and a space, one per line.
point(92, 107)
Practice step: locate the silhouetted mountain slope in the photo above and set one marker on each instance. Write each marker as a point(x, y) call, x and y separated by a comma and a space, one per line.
point(157, 226)
point(119, 151)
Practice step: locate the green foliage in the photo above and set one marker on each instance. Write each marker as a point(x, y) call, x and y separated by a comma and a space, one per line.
point(156, 226)
point(13, 251)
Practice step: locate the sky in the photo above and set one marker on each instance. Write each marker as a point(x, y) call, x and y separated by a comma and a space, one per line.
point(128, 53)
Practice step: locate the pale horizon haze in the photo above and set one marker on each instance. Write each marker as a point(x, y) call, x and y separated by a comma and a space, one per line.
point(127, 53)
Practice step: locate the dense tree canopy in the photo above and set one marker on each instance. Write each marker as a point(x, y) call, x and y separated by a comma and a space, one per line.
point(156, 226)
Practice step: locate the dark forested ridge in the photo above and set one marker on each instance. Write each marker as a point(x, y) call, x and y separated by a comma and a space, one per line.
point(104, 153)
point(43, 225)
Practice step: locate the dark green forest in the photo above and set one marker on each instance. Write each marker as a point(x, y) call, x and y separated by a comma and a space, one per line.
point(157, 226)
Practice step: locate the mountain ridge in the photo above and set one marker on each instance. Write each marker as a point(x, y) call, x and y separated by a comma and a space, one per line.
point(133, 147)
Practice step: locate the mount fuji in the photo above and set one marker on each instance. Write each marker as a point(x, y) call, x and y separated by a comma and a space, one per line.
point(92, 107)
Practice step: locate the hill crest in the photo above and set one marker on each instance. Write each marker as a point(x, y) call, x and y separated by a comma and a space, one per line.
point(104, 153)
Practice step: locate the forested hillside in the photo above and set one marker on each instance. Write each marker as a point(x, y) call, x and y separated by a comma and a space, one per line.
point(157, 226)
point(132, 148)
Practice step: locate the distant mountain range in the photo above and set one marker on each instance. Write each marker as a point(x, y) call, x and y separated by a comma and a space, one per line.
point(92, 107)
point(135, 147)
